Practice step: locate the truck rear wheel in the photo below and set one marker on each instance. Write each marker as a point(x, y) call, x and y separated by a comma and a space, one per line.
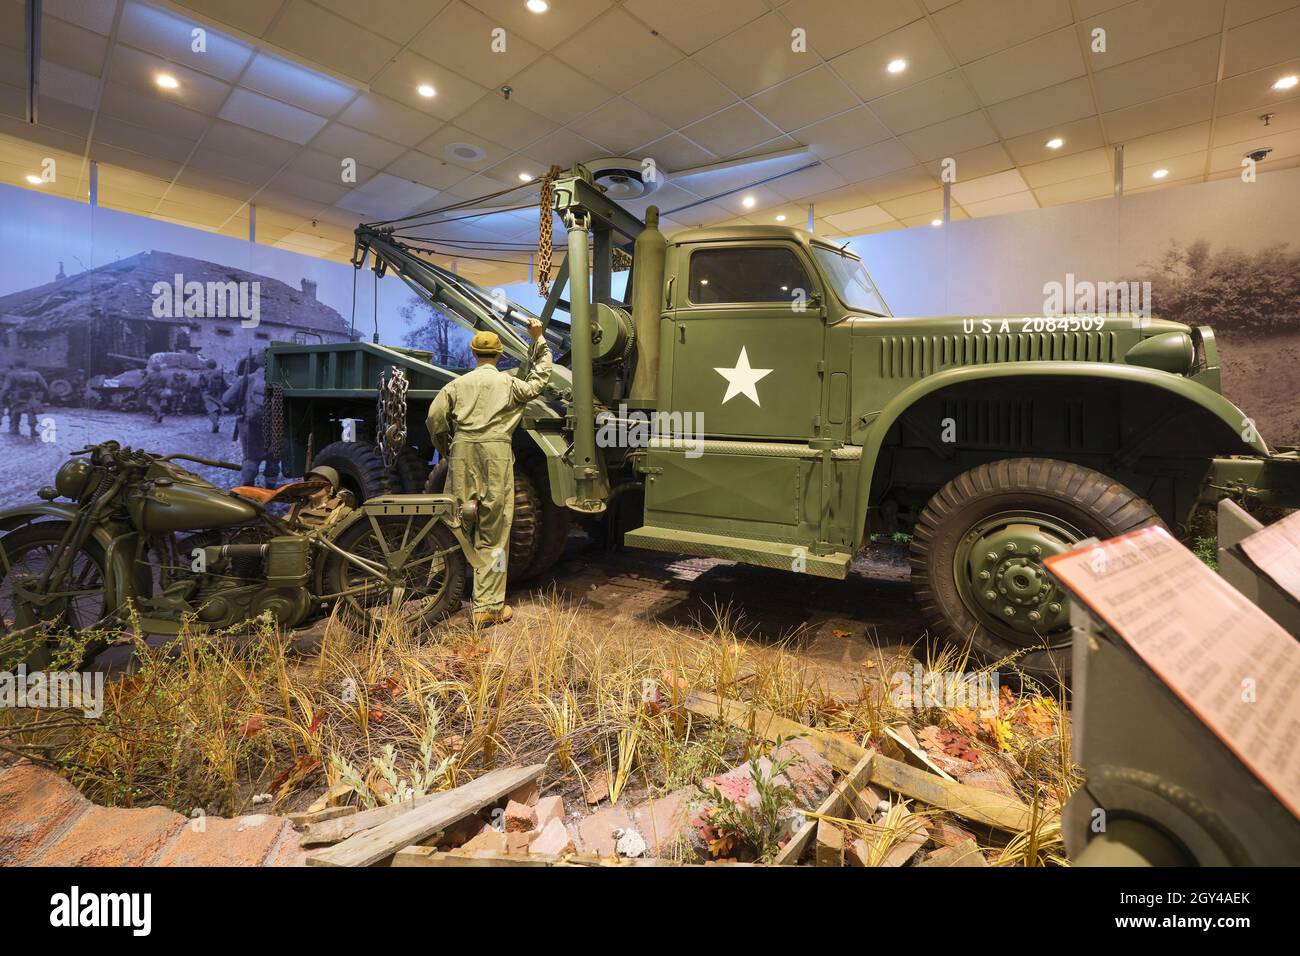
point(977, 553)
point(527, 533)
point(361, 470)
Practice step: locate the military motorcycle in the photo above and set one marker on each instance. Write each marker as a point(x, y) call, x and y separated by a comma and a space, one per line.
point(126, 540)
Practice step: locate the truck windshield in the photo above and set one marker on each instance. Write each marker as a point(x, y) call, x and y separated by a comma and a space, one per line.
point(852, 283)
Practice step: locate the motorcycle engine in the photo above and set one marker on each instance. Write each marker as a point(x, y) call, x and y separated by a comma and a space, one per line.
point(247, 576)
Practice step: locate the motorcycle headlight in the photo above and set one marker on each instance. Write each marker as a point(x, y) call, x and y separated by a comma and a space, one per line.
point(73, 479)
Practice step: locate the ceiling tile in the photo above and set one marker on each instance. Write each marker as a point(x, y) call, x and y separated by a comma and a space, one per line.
point(1001, 205)
point(1138, 176)
point(242, 169)
point(1168, 112)
point(297, 85)
point(127, 104)
point(951, 136)
point(843, 133)
point(400, 80)
point(674, 151)
point(807, 98)
point(168, 35)
point(1034, 111)
point(271, 116)
point(1255, 88)
point(619, 126)
point(443, 145)
point(837, 26)
point(988, 187)
point(1174, 142)
point(556, 91)
point(396, 20)
point(326, 168)
point(864, 67)
point(756, 56)
point(927, 202)
point(976, 28)
point(902, 182)
point(692, 26)
point(1284, 144)
point(387, 197)
point(251, 16)
point(809, 182)
point(388, 119)
point(342, 141)
point(1094, 162)
point(70, 86)
point(1243, 127)
point(421, 168)
point(681, 94)
point(859, 219)
point(617, 52)
point(339, 44)
point(1079, 136)
point(1262, 43)
point(546, 30)
point(235, 140)
point(1050, 59)
point(94, 15)
point(1158, 74)
point(561, 148)
point(471, 53)
point(925, 104)
point(1139, 29)
point(974, 163)
point(872, 161)
point(734, 129)
point(197, 91)
point(504, 121)
point(72, 46)
point(152, 142)
point(1097, 186)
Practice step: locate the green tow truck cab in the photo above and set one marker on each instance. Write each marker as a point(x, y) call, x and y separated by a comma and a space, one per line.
point(756, 401)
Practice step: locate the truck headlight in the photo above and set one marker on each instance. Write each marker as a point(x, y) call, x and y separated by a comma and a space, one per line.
point(1167, 352)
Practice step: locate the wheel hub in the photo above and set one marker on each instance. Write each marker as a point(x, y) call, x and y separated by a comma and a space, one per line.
point(1006, 577)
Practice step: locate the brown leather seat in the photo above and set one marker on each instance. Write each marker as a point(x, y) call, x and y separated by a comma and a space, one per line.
point(293, 491)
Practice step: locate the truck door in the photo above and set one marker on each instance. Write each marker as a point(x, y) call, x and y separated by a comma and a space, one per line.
point(747, 341)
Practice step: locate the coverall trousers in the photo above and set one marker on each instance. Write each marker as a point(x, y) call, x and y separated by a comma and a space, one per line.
point(484, 471)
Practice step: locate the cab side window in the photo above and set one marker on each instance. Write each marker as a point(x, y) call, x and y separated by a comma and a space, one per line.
point(753, 274)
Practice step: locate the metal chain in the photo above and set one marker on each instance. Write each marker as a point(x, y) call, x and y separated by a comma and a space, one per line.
point(544, 231)
point(390, 411)
point(273, 420)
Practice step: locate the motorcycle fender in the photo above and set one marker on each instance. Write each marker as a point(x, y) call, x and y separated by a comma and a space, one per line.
point(118, 545)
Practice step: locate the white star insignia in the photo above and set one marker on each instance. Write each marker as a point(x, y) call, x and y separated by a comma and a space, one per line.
point(742, 379)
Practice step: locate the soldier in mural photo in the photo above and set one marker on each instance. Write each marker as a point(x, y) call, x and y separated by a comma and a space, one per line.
point(246, 398)
point(471, 422)
point(157, 384)
point(212, 385)
point(22, 392)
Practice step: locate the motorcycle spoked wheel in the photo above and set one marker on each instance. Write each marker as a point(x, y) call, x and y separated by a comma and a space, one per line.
point(431, 579)
point(81, 604)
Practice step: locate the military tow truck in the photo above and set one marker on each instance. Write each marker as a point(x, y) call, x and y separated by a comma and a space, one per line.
point(754, 399)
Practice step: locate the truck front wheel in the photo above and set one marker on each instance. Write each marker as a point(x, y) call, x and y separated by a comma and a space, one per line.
point(978, 549)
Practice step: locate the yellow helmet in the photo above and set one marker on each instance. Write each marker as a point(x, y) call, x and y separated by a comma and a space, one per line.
point(485, 343)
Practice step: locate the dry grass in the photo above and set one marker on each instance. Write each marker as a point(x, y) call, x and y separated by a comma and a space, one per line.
point(213, 721)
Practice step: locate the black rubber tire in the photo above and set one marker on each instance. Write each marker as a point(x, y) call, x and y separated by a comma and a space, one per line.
point(409, 472)
point(49, 533)
point(360, 468)
point(555, 520)
point(1086, 499)
point(525, 538)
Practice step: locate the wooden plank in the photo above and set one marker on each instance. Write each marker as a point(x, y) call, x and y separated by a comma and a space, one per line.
point(966, 853)
point(420, 822)
point(981, 806)
point(842, 754)
point(910, 749)
point(836, 804)
point(320, 816)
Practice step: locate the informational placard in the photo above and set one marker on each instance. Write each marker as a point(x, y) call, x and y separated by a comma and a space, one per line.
point(1275, 550)
point(1228, 661)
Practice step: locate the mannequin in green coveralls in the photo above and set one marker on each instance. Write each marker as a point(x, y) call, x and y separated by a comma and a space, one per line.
point(471, 422)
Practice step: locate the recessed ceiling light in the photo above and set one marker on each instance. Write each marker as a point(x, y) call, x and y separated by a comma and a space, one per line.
point(1287, 82)
point(425, 90)
point(35, 180)
point(897, 66)
point(1160, 174)
point(538, 6)
point(936, 222)
point(1055, 143)
point(748, 202)
point(780, 218)
point(166, 81)
point(525, 177)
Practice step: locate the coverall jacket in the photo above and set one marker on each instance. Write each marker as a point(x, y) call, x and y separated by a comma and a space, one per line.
point(477, 413)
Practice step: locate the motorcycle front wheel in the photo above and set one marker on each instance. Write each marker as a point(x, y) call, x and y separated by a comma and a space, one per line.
point(48, 622)
point(424, 563)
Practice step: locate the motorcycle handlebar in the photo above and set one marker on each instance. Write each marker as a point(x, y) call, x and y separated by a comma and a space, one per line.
point(210, 462)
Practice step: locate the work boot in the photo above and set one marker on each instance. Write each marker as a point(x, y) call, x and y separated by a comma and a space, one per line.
point(488, 618)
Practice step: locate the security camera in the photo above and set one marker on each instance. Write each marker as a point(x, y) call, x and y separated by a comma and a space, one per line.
point(1258, 154)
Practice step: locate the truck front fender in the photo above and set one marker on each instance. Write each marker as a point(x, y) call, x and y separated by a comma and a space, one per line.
point(118, 544)
point(873, 427)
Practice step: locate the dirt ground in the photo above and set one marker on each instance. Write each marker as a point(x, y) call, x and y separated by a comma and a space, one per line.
point(1262, 377)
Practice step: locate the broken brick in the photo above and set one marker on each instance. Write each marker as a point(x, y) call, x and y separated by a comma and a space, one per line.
point(597, 831)
point(520, 818)
point(548, 809)
point(810, 774)
point(554, 839)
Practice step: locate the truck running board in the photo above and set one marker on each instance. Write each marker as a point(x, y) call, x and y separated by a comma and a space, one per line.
point(765, 554)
